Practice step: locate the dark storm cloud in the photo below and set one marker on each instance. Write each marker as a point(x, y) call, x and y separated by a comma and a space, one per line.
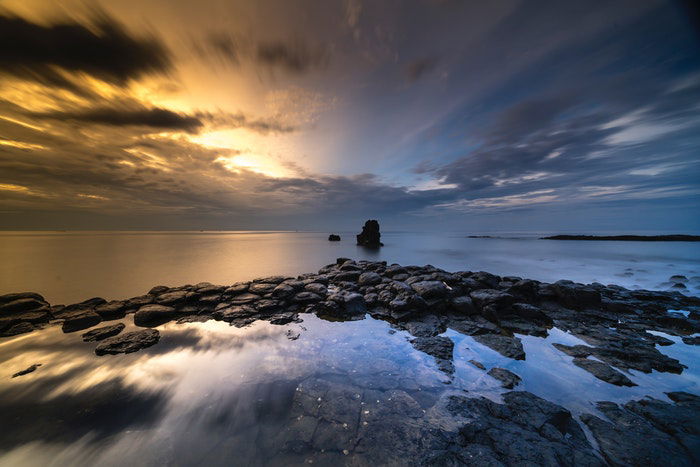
point(418, 68)
point(153, 118)
point(106, 51)
point(293, 56)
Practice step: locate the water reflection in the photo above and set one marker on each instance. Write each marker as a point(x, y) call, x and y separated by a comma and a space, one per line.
point(209, 393)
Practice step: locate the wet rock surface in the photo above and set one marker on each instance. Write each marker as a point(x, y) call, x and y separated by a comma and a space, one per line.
point(507, 378)
point(649, 431)
point(128, 342)
point(380, 420)
point(603, 372)
point(103, 332)
point(27, 370)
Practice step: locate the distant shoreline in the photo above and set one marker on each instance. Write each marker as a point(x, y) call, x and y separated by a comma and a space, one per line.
point(628, 238)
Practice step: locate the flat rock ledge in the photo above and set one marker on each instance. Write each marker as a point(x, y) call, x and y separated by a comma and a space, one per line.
point(128, 342)
point(423, 300)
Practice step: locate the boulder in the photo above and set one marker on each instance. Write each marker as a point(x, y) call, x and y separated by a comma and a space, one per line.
point(370, 236)
point(334, 238)
point(158, 289)
point(26, 302)
point(80, 319)
point(510, 347)
point(603, 372)
point(111, 310)
point(576, 296)
point(463, 305)
point(171, 298)
point(128, 342)
point(282, 291)
point(261, 288)
point(507, 378)
point(103, 332)
point(369, 278)
point(430, 289)
point(440, 348)
point(317, 288)
point(153, 315)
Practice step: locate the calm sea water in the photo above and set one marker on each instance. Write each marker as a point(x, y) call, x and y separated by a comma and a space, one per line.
point(67, 267)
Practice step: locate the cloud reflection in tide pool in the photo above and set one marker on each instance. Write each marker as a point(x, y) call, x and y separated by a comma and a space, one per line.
point(209, 392)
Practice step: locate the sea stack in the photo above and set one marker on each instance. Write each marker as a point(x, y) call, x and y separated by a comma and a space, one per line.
point(370, 235)
point(334, 238)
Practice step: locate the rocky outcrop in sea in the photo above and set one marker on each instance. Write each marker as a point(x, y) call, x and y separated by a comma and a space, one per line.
point(425, 301)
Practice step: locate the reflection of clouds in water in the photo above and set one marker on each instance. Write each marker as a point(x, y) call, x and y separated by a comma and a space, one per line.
point(210, 392)
point(549, 373)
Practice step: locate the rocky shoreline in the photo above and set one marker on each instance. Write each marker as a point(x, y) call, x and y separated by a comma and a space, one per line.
point(426, 301)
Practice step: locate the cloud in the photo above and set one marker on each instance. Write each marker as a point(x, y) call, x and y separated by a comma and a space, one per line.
point(294, 56)
point(148, 117)
point(105, 50)
point(418, 68)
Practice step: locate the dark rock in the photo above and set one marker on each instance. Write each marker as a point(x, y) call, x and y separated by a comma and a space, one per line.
point(510, 347)
point(104, 332)
point(314, 287)
point(172, 298)
point(261, 288)
point(507, 378)
point(333, 238)
point(153, 315)
point(111, 310)
point(158, 289)
point(27, 302)
point(370, 236)
point(463, 305)
point(128, 342)
point(79, 319)
point(306, 297)
point(576, 296)
point(603, 372)
point(350, 303)
point(477, 364)
point(11, 297)
point(26, 371)
point(282, 291)
point(244, 298)
point(525, 430)
point(430, 289)
point(440, 348)
point(369, 278)
point(138, 302)
point(680, 396)
point(639, 435)
point(236, 289)
point(347, 276)
point(491, 301)
point(691, 340)
point(16, 329)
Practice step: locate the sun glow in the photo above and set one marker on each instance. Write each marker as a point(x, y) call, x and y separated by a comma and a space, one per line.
point(241, 155)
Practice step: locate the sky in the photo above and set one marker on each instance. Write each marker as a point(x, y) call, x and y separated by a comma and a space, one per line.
point(317, 115)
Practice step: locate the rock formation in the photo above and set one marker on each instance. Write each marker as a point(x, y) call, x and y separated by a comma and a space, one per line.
point(370, 236)
point(334, 238)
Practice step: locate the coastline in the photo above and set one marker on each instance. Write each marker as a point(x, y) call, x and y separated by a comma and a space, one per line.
point(425, 301)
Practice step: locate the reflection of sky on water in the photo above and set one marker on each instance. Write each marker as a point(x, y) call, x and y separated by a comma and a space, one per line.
point(208, 392)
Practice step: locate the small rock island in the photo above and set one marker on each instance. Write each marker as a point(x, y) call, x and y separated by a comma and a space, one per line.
point(370, 236)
